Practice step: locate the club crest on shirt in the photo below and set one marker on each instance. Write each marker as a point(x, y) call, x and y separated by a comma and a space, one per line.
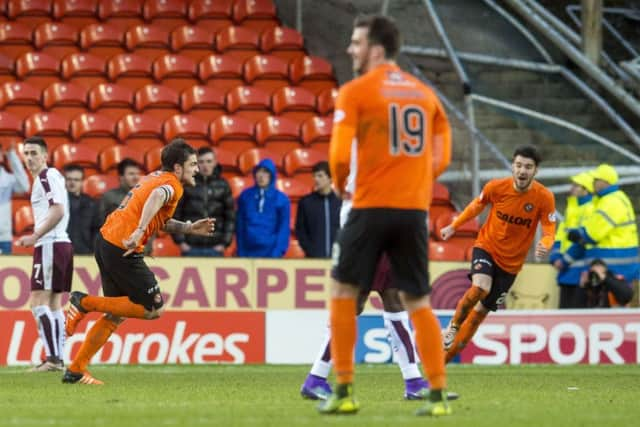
point(338, 116)
point(552, 217)
point(528, 207)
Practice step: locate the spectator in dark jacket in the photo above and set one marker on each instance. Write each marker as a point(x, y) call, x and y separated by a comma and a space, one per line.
point(211, 197)
point(318, 217)
point(84, 220)
point(262, 224)
point(129, 172)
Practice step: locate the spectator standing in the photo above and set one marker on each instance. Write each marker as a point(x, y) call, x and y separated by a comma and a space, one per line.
point(262, 222)
point(318, 217)
point(84, 220)
point(15, 181)
point(579, 207)
point(129, 172)
point(210, 198)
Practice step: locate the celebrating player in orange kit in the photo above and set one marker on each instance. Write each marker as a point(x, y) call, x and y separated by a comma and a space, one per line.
point(396, 122)
point(518, 204)
point(130, 288)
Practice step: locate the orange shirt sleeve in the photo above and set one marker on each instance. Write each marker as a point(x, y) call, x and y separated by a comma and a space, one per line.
point(474, 208)
point(441, 140)
point(345, 122)
point(548, 220)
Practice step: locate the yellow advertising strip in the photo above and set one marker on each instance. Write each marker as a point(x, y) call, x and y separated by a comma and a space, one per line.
point(254, 284)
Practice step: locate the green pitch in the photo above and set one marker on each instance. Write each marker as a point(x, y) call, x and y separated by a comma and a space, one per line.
point(225, 395)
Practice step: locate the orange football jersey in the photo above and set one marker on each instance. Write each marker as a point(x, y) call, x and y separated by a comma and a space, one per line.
point(511, 225)
point(397, 122)
point(124, 220)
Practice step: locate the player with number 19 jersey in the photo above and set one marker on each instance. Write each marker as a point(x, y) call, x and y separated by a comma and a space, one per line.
point(399, 127)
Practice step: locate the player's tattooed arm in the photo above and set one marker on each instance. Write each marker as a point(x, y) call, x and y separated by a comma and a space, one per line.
point(177, 227)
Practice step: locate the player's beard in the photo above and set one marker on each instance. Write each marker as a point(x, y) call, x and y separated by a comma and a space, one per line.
point(364, 64)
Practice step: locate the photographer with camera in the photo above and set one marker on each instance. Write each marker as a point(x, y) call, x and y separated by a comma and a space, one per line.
point(604, 288)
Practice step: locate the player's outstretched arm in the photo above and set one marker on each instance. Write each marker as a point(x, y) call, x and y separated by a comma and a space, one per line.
point(202, 227)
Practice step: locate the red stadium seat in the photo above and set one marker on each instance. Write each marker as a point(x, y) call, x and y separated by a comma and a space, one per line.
point(109, 158)
point(147, 40)
point(138, 126)
point(6, 69)
point(302, 160)
point(239, 42)
point(316, 130)
point(85, 69)
point(23, 221)
point(176, 71)
point(15, 39)
point(158, 100)
point(102, 39)
point(313, 73)
point(279, 134)
point(141, 132)
point(440, 194)
point(240, 183)
point(66, 99)
point(212, 15)
point(153, 159)
point(257, 14)
point(221, 71)
point(293, 102)
point(192, 129)
point(295, 250)
point(38, 69)
point(130, 69)
point(444, 251)
point(274, 128)
point(96, 185)
point(248, 159)
point(192, 41)
point(233, 133)
point(165, 246)
point(10, 124)
point(29, 12)
point(95, 130)
point(122, 13)
point(283, 42)
point(267, 72)
point(53, 127)
point(19, 98)
point(248, 101)
point(228, 160)
point(295, 189)
point(206, 102)
point(326, 101)
point(75, 153)
point(78, 13)
point(55, 38)
point(168, 13)
point(111, 99)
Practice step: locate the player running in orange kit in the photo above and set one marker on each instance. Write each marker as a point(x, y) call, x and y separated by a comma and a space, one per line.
point(130, 288)
point(518, 204)
point(396, 121)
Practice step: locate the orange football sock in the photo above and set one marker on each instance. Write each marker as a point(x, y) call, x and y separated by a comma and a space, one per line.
point(429, 344)
point(343, 337)
point(466, 332)
point(95, 339)
point(466, 303)
point(118, 306)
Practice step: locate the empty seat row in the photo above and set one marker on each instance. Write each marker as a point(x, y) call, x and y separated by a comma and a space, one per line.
point(206, 102)
point(226, 128)
point(148, 40)
point(255, 13)
point(177, 71)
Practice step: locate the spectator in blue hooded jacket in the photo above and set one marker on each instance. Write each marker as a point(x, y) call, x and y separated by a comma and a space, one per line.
point(262, 222)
